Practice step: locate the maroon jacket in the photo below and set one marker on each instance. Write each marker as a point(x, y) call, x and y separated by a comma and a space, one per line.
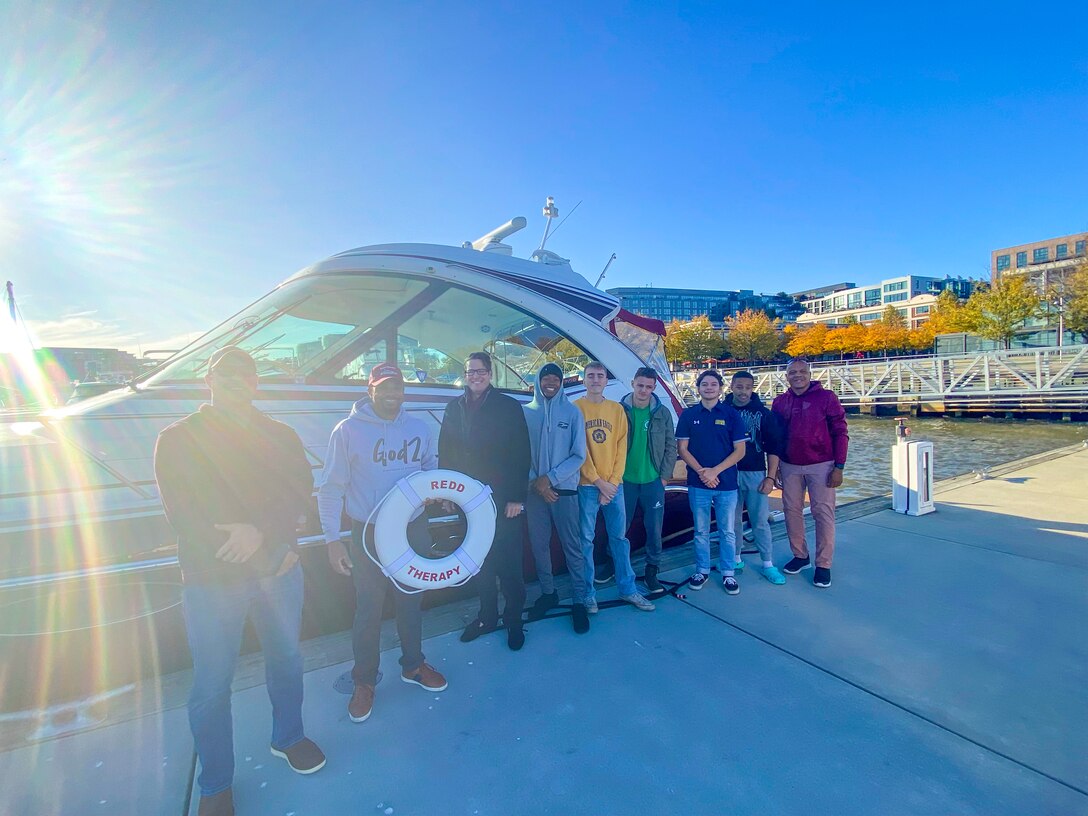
point(815, 425)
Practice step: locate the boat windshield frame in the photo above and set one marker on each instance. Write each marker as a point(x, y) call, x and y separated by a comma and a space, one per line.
point(409, 295)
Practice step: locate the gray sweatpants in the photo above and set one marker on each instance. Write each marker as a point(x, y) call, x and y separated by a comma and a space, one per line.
point(564, 515)
point(748, 482)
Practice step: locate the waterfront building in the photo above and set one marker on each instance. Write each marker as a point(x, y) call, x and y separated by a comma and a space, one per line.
point(1042, 261)
point(821, 291)
point(94, 364)
point(913, 296)
point(1045, 264)
point(667, 305)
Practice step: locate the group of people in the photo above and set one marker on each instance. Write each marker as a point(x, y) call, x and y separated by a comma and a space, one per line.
point(235, 482)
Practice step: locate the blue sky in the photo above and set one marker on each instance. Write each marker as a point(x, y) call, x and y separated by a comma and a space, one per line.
point(163, 164)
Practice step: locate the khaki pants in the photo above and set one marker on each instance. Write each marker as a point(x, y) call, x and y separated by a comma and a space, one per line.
point(796, 479)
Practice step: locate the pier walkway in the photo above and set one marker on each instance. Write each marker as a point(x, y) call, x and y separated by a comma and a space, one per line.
point(1052, 381)
point(942, 673)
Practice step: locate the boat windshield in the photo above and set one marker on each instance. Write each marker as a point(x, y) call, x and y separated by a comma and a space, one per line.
point(332, 329)
point(648, 346)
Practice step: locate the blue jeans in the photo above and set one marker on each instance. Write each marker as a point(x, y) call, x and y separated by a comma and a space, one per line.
point(615, 523)
point(651, 497)
point(371, 587)
point(215, 615)
point(724, 503)
point(748, 495)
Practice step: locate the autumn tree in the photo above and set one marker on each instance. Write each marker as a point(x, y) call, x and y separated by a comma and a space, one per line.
point(922, 337)
point(833, 342)
point(947, 315)
point(997, 313)
point(752, 336)
point(849, 338)
point(808, 341)
point(890, 332)
point(693, 341)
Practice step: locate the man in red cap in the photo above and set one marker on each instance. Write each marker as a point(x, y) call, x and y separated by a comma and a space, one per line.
point(369, 452)
point(233, 483)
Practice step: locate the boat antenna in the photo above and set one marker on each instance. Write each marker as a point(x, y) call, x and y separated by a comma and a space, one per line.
point(565, 217)
point(604, 271)
point(550, 211)
point(11, 300)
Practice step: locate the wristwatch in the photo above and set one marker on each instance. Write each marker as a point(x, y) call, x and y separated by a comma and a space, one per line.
point(840, 467)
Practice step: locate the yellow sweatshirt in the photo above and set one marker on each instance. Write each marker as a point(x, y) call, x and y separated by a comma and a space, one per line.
point(606, 441)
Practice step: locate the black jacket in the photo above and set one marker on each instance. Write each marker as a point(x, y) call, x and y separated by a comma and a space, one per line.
point(765, 433)
point(490, 444)
point(212, 470)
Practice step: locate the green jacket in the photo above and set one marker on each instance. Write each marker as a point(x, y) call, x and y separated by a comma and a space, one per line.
point(661, 439)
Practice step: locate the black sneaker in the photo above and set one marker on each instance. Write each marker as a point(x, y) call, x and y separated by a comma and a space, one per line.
point(605, 572)
point(579, 618)
point(795, 566)
point(821, 577)
point(474, 630)
point(515, 639)
point(698, 580)
point(543, 604)
point(651, 581)
point(730, 585)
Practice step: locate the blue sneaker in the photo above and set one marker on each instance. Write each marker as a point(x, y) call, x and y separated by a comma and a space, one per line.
point(773, 575)
point(739, 566)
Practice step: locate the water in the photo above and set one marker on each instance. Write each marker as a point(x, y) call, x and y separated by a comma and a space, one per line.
point(959, 446)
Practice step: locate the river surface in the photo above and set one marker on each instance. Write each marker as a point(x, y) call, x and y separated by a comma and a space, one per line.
point(959, 446)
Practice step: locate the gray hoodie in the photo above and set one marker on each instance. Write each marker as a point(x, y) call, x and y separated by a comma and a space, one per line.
point(368, 455)
point(557, 439)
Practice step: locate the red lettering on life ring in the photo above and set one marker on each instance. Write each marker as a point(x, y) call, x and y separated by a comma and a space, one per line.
point(447, 484)
point(433, 576)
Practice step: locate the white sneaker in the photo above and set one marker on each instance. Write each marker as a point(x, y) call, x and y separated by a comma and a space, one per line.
point(638, 602)
point(591, 607)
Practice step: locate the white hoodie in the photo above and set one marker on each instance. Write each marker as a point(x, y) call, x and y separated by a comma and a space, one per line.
point(368, 455)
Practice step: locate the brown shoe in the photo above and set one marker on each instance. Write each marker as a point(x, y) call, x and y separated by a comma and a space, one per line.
point(362, 703)
point(221, 804)
point(426, 676)
point(304, 756)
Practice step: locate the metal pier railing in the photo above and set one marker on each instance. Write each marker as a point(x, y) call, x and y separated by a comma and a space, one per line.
point(1052, 380)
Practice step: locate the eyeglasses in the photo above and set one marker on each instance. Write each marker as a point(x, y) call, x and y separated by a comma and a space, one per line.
point(476, 372)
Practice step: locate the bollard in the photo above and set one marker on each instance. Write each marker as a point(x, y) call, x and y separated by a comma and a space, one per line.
point(912, 473)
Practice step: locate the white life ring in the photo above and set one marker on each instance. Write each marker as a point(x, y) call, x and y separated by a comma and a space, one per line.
point(404, 565)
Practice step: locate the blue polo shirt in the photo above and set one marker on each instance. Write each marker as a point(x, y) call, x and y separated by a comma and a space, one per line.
point(710, 436)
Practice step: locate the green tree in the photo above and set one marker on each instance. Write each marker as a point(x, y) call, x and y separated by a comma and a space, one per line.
point(891, 318)
point(752, 336)
point(1076, 302)
point(693, 341)
point(998, 312)
point(1067, 296)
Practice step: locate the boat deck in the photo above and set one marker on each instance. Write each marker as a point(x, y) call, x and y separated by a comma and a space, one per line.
point(942, 673)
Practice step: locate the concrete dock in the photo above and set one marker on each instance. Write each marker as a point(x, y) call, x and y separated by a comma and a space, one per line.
point(942, 673)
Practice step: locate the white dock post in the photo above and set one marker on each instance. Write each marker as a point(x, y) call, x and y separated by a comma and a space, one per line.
point(912, 474)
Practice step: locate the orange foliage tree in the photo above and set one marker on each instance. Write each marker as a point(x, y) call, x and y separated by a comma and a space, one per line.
point(808, 341)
